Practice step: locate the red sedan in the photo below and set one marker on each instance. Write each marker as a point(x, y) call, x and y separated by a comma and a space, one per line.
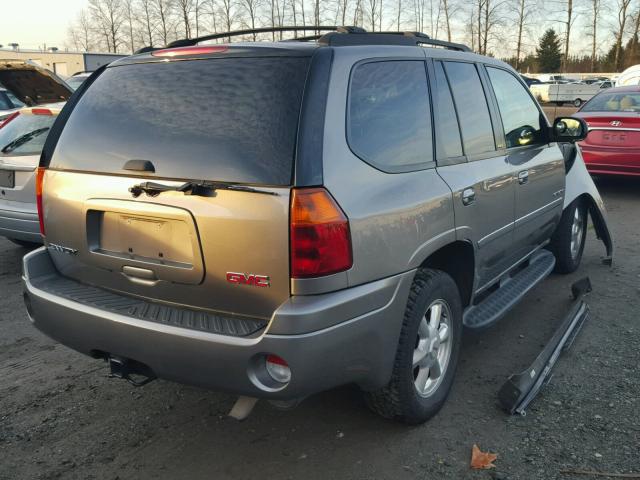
point(612, 146)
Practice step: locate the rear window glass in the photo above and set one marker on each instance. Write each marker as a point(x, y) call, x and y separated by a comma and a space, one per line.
point(25, 135)
point(230, 120)
point(614, 102)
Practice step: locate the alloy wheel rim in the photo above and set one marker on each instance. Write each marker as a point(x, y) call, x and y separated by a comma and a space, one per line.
point(432, 348)
point(577, 232)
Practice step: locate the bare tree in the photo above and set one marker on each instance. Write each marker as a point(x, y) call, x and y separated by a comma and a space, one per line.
point(447, 7)
point(227, 14)
point(623, 7)
point(108, 14)
point(197, 8)
point(184, 7)
point(568, 22)
point(81, 32)
point(163, 12)
point(146, 19)
point(593, 32)
point(372, 13)
point(128, 13)
point(523, 9)
point(251, 7)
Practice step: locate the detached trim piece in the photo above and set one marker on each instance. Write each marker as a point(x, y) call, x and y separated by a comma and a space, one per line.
point(520, 390)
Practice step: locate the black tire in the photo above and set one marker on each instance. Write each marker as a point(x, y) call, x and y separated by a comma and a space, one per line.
point(24, 243)
point(568, 258)
point(577, 102)
point(400, 400)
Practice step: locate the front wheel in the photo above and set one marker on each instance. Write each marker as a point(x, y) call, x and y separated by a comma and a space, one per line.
point(567, 243)
point(427, 353)
point(577, 102)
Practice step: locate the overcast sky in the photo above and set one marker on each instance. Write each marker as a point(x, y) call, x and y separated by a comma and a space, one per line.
point(34, 22)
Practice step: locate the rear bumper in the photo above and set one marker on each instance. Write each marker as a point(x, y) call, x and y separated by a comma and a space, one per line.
point(20, 221)
point(358, 346)
point(611, 161)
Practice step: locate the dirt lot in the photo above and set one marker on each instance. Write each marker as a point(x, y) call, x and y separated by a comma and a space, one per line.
point(60, 417)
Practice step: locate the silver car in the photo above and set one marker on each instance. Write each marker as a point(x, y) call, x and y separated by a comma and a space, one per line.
point(22, 137)
point(41, 94)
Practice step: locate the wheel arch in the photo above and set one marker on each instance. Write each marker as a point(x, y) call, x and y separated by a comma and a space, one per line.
point(457, 259)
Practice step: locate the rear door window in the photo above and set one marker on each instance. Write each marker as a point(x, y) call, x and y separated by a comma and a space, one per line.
point(472, 107)
point(389, 124)
point(449, 141)
point(520, 116)
point(230, 120)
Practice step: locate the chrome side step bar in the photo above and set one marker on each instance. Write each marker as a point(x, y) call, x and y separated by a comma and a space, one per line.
point(520, 390)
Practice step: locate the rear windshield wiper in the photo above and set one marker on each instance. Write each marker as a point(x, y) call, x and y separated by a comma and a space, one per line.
point(201, 188)
point(22, 139)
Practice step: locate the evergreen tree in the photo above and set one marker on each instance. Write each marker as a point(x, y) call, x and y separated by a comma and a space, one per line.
point(548, 52)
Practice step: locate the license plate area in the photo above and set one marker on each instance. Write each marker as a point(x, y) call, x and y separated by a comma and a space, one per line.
point(7, 178)
point(149, 239)
point(158, 239)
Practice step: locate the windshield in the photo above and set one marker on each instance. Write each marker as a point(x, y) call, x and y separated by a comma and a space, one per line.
point(614, 102)
point(25, 134)
point(230, 120)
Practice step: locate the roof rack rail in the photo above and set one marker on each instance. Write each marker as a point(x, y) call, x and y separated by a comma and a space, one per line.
point(187, 42)
point(389, 38)
point(337, 36)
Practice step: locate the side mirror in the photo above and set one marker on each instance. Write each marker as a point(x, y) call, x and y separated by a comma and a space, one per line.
point(569, 130)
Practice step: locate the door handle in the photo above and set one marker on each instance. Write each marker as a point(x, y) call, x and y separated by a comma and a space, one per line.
point(468, 196)
point(523, 177)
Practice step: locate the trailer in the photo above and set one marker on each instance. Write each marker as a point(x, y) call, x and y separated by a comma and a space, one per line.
point(574, 93)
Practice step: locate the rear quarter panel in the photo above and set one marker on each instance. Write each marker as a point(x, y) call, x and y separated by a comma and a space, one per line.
point(396, 220)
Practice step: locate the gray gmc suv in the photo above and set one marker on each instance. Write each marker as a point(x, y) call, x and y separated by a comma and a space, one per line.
point(277, 219)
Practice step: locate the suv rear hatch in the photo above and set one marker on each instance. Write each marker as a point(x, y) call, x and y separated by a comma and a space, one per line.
point(228, 120)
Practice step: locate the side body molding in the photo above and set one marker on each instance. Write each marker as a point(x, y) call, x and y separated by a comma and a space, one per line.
point(580, 184)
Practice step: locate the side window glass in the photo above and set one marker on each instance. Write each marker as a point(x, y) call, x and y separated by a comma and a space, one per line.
point(520, 116)
point(449, 141)
point(471, 104)
point(389, 124)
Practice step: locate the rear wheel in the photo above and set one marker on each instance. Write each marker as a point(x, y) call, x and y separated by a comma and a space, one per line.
point(577, 102)
point(567, 243)
point(427, 353)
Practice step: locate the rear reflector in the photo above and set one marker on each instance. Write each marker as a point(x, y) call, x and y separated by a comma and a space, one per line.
point(41, 111)
point(39, 186)
point(320, 237)
point(278, 369)
point(197, 50)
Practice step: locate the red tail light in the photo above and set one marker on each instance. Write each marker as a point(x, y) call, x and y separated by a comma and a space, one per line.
point(39, 185)
point(320, 237)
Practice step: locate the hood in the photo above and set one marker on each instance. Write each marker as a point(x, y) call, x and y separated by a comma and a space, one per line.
point(32, 84)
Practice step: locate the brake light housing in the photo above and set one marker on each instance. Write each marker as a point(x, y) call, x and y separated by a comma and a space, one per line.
point(195, 50)
point(320, 238)
point(40, 171)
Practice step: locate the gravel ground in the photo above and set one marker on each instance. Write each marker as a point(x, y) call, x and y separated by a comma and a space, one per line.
point(60, 417)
